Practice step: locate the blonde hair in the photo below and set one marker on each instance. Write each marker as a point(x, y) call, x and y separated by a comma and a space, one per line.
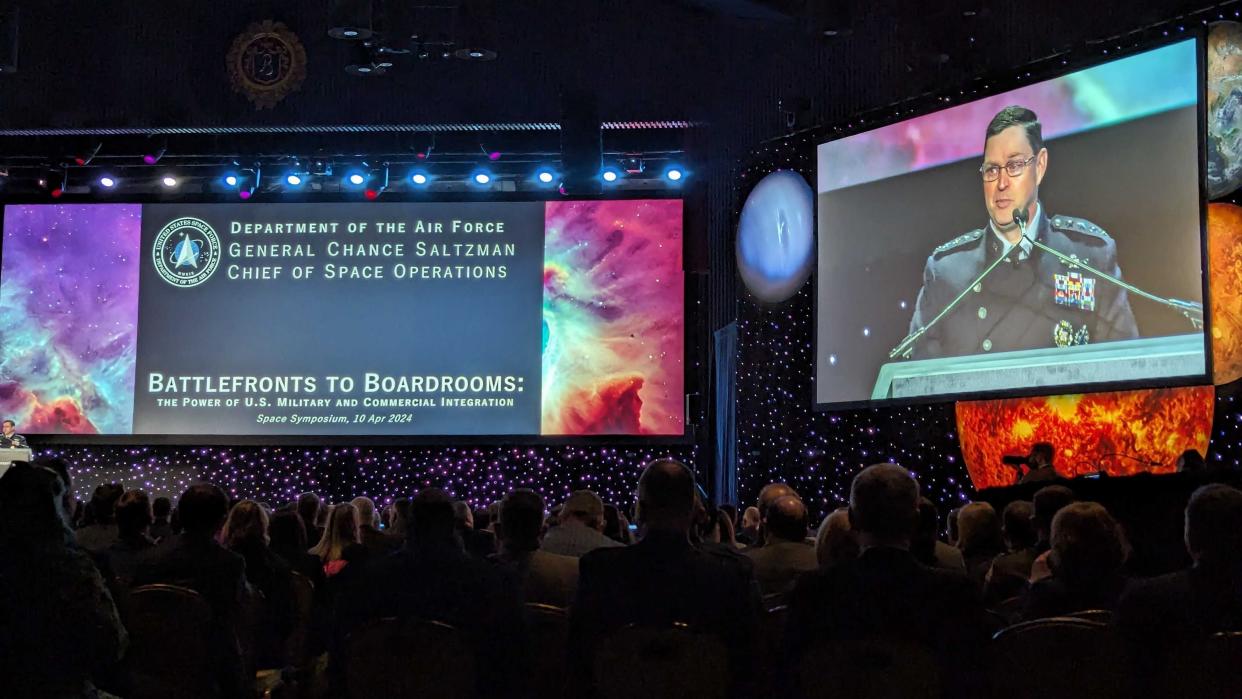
point(341, 531)
point(247, 522)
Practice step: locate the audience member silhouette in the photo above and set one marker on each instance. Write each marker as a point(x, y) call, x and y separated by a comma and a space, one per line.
point(59, 628)
point(769, 494)
point(785, 554)
point(1011, 570)
point(663, 580)
point(246, 534)
point(1168, 611)
point(133, 519)
point(161, 527)
point(376, 542)
point(195, 560)
point(927, 546)
point(885, 594)
point(546, 578)
point(339, 547)
point(433, 578)
point(979, 538)
point(309, 506)
point(580, 527)
point(748, 530)
point(1088, 554)
point(835, 541)
point(477, 542)
point(101, 532)
point(1047, 502)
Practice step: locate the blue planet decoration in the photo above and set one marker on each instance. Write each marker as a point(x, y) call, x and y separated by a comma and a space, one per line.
point(776, 236)
point(1224, 109)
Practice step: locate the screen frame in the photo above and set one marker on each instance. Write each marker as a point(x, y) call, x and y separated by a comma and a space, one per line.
point(948, 99)
point(690, 379)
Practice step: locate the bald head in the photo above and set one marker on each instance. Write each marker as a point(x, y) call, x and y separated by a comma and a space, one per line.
point(666, 495)
point(770, 493)
point(786, 520)
point(884, 503)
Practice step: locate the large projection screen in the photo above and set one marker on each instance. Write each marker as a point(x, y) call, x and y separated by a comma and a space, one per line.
point(262, 320)
point(977, 250)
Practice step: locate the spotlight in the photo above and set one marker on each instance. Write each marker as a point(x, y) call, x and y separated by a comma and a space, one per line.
point(107, 181)
point(88, 155)
point(481, 177)
point(545, 175)
point(356, 178)
point(351, 33)
point(320, 168)
point(419, 177)
point(674, 173)
point(293, 179)
point(247, 181)
point(230, 180)
point(379, 183)
point(153, 157)
point(610, 175)
point(169, 181)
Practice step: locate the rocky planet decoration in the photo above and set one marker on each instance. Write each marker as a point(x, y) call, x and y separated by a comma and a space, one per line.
point(1120, 433)
point(1225, 291)
point(775, 236)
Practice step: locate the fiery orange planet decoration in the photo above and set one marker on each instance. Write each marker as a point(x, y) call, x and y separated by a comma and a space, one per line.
point(1121, 433)
point(1225, 290)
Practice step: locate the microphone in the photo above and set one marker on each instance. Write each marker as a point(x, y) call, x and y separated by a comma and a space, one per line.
point(1020, 218)
point(1193, 310)
point(906, 347)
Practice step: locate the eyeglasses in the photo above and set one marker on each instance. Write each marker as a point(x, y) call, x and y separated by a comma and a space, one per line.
point(1013, 168)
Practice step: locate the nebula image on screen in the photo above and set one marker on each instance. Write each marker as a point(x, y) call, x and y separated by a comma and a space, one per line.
point(1121, 433)
point(613, 335)
point(68, 317)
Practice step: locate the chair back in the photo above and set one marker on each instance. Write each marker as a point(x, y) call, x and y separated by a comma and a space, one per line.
point(549, 634)
point(1204, 669)
point(869, 669)
point(661, 663)
point(169, 647)
point(1075, 657)
point(401, 658)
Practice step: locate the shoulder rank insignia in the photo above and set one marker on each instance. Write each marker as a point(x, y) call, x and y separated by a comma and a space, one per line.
point(1078, 225)
point(959, 241)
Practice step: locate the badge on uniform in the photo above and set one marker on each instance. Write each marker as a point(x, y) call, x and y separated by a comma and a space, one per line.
point(1064, 334)
point(1074, 290)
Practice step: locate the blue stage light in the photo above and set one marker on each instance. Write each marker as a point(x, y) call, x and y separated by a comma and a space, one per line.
point(418, 178)
point(231, 180)
point(169, 181)
point(481, 177)
point(674, 173)
point(356, 178)
point(107, 181)
point(293, 179)
point(610, 175)
point(545, 176)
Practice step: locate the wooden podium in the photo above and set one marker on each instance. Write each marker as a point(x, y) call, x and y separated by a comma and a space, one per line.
point(1059, 367)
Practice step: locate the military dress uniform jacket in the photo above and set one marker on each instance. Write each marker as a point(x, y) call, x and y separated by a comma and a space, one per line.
point(1023, 304)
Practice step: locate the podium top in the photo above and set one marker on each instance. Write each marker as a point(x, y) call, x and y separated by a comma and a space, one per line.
point(1053, 367)
point(8, 456)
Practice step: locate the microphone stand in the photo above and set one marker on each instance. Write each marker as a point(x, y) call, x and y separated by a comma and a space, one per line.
point(906, 346)
point(1192, 310)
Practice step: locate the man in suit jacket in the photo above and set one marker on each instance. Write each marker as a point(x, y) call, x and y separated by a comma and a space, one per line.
point(786, 553)
point(195, 560)
point(581, 527)
point(547, 578)
point(433, 578)
point(1165, 612)
point(663, 580)
point(886, 594)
